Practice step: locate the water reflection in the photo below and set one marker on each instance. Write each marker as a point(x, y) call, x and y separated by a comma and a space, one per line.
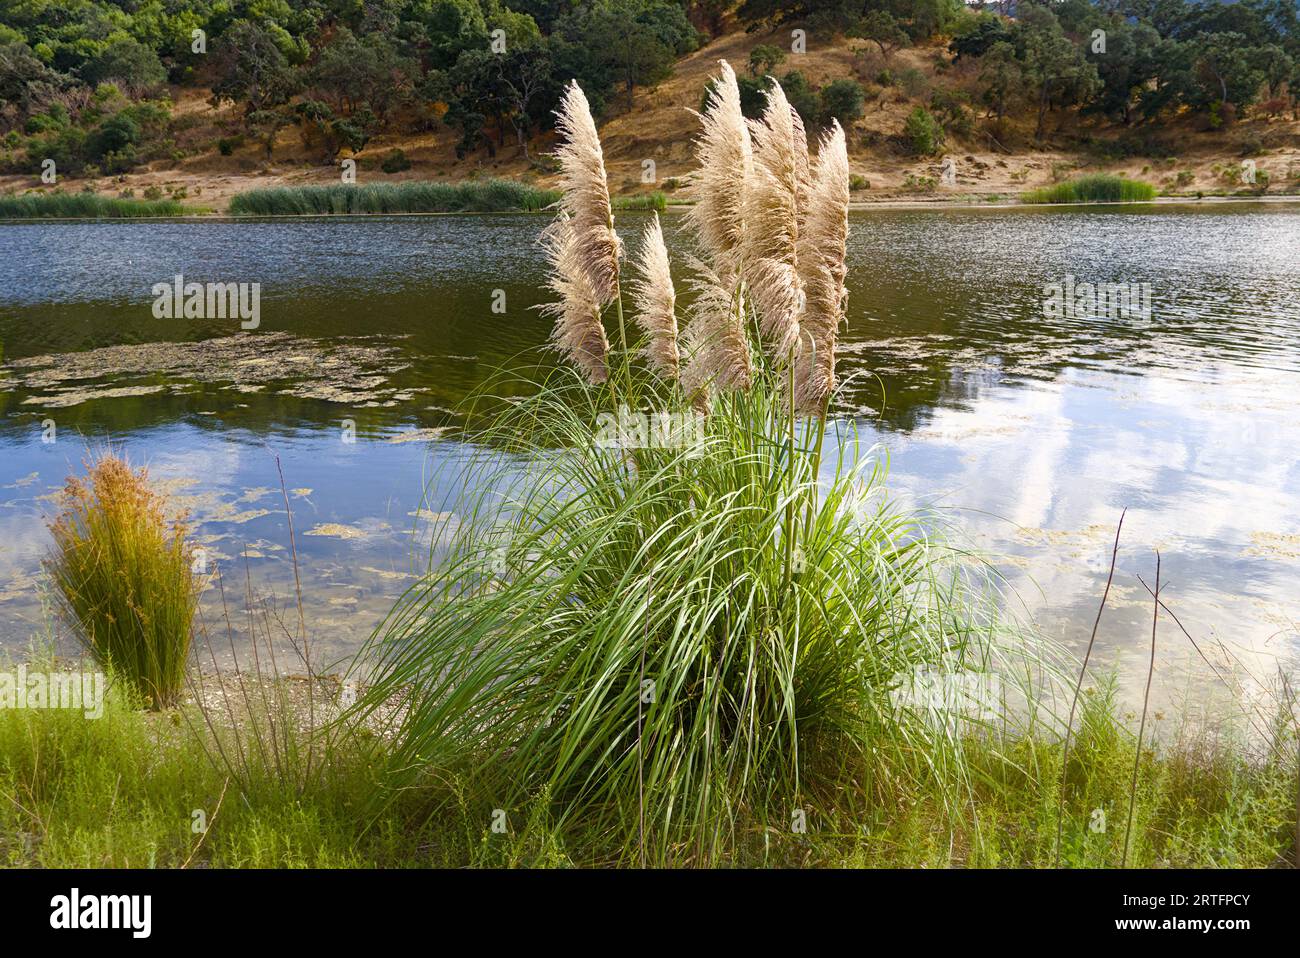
point(1035, 432)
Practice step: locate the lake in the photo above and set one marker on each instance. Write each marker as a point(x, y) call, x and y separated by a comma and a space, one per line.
point(1032, 427)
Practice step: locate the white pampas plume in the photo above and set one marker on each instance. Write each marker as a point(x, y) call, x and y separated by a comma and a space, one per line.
point(718, 185)
point(822, 250)
point(716, 346)
point(586, 194)
point(655, 300)
point(578, 333)
point(772, 224)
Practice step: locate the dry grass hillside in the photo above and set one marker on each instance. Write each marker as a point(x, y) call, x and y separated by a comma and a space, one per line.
point(660, 128)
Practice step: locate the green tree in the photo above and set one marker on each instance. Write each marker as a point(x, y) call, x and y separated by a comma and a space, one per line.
point(1001, 78)
point(765, 58)
point(1055, 70)
point(128, 63)
point(979, 36)
point(882, 30)
point(637, 41)
point(1226, 71)
point(526, 79)
point(352, 73)
point(251, 69)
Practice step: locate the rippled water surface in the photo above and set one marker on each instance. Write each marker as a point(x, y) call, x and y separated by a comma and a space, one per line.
point(1034, 433)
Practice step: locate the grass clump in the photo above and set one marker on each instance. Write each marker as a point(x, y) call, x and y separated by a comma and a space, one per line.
point(1093, 188)
point(122, 577)
point(83, 206)
point(473, 196)
point(642, 201)
point(683, 627)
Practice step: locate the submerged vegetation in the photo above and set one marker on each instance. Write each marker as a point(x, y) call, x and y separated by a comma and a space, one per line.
point(474, 196)
point(123, 579)
point(1093, 188)
point(83, 206)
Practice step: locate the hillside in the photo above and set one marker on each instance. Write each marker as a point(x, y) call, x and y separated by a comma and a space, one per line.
point(1176, 153)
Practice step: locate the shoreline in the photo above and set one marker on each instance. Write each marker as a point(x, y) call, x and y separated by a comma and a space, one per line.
point(856, 205)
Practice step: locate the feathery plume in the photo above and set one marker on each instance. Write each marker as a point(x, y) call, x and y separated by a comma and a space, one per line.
point(718, 186)
point(716, 346)
point(771, 236)
point(578, 332)
point(586, 194)
point(654, 298)
point(822, 249)
point(803, 168)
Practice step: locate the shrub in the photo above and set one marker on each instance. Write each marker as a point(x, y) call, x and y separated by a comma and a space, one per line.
point(858, 182)
point(923, 132)
point(913, 82)
point(122, 577)
point(395, 162)
point(842, 100)
point(952, 109)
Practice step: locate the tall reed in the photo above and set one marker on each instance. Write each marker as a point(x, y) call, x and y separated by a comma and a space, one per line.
point(1093, 188)
point(83, 206)
point(473, 196)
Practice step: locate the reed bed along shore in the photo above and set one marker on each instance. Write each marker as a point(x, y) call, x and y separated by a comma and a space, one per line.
point(473, 196)
point(1093, 188)
point(84, 206)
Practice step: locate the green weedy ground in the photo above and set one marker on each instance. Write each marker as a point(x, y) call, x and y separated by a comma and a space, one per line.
point(121, 791)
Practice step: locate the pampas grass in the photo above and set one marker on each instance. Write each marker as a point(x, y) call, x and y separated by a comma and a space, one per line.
point(822, 250)
point(655, 300)
point(772, 223)
point(578, 333)
point(716, 345)
point(771, 609)
point(586, 195)
point(725, 167)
